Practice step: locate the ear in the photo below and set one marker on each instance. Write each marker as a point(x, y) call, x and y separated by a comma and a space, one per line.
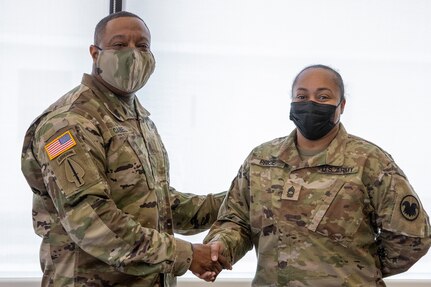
point(94, 52)
point(342, 105)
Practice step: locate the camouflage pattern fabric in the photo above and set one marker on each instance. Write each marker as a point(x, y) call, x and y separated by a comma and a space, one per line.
point(102, 201)
point(127, 69)
point(346, 216)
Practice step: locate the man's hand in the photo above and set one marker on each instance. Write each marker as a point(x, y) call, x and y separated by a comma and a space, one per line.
point(216, 249)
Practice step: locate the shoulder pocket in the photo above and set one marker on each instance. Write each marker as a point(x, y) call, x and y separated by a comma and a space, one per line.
point(68, 163)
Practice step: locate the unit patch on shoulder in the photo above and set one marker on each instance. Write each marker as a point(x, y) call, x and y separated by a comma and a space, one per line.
point(59, 145)
point(74, 172)
point(410, 207)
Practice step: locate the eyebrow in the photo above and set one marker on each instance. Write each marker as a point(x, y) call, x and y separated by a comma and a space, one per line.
point(317, 90)
point(323, 89)
point(122, 37)
point(117, 37)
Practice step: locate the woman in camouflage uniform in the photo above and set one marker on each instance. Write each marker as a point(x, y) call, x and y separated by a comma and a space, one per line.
point(321, 207)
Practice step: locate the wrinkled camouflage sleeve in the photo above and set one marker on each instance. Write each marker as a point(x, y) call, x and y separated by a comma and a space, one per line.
point(194, 213)
point(232, 227)
point(90, 216)
point(403, 235)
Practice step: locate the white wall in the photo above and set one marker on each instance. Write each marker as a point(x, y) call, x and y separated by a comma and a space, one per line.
point(221, 87)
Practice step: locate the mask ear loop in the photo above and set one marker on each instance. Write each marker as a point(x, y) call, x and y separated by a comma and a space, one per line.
point(97, 69)
point(336, 107)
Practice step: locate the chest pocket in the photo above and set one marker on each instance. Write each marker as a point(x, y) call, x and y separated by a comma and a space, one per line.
point(340, 212)
point(128, 164)
point(138, 145)
point(266, 185)
point(281, 198)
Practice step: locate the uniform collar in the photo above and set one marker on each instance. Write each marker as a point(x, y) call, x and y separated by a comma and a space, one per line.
point(333, 155)
point(117, 107)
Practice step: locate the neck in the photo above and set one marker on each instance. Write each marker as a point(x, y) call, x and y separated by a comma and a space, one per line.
point(316, 145)
point(128, 99)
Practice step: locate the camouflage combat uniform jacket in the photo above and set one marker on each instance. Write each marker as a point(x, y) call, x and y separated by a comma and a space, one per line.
point(344, 217)
point(102, 201)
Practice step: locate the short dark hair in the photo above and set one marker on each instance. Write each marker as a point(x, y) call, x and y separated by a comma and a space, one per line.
point(337, 78)
point(101, 26)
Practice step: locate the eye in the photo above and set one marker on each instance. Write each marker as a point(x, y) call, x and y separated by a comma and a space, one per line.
point(119, 45)
point(143, 47)
point(323, 97)
point(300, 97)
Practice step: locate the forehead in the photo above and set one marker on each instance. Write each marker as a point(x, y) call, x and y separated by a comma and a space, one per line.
point(318, 78)
point(126, 26)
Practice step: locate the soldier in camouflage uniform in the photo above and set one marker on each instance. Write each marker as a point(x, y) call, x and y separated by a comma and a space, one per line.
point(100, 177)
point(321, 207)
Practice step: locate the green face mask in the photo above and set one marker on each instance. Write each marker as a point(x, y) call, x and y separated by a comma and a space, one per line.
point(127, 69)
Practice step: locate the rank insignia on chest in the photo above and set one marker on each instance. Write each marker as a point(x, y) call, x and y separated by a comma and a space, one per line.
point(291, 191)
point(59, 145)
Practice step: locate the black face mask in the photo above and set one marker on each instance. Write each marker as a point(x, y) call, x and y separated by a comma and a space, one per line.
point(312, 119)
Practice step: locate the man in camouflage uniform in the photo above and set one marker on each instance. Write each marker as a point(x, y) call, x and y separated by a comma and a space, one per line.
point(100, 177)
point(321, 207)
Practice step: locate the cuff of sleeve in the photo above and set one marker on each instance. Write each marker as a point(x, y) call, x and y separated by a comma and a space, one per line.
point(183, 257)
point(226, 252)
point(214, 238)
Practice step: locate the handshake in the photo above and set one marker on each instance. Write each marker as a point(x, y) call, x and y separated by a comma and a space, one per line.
point(207, 261)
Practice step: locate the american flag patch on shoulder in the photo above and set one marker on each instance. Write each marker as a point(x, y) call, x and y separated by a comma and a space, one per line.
point(59, 145)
